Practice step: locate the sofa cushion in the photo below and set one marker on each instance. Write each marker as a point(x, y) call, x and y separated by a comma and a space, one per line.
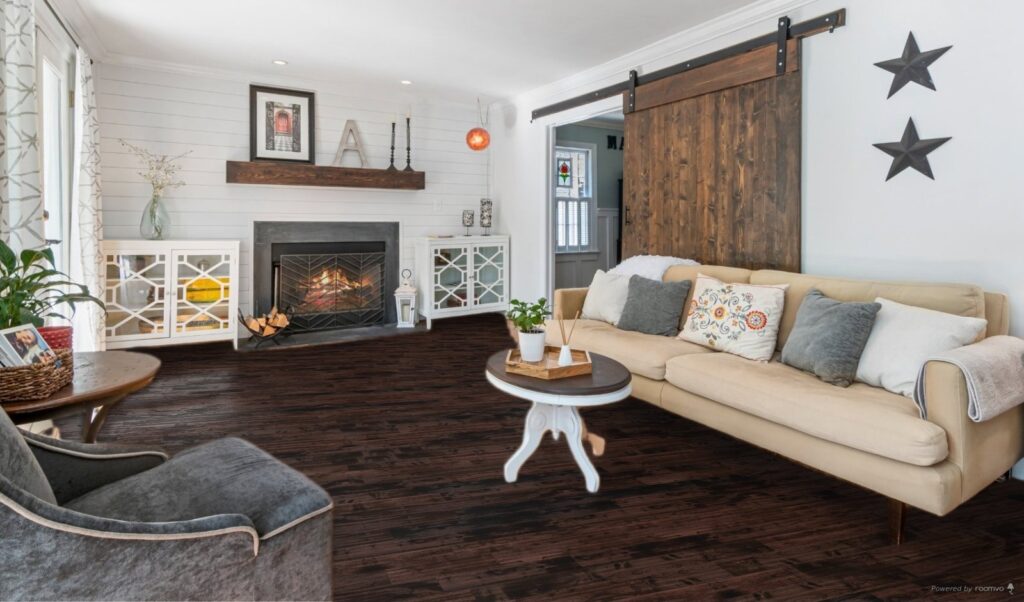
point(905, 337)
point(654, 307)
point(643, 354)
point(959, 299)
point(606, 297)
point(724, 273)
point(226, 476)
point(735, 318)
point(829, 336)
point(860, 416)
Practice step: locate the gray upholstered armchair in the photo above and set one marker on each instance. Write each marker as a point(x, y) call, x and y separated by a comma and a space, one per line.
point(222, 521)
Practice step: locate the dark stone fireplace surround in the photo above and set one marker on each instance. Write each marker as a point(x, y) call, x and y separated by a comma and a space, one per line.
point(266, 234)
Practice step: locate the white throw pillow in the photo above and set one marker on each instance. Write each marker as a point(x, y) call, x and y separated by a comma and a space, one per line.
point(742, 319)
point(904, 337)
point(606, 297)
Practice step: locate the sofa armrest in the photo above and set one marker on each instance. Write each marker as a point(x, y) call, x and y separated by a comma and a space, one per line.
point(74, 469)
point(54, 553)
point(982, 450)
point(568, 301)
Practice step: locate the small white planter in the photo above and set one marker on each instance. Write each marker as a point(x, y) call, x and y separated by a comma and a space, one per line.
point(531, 346)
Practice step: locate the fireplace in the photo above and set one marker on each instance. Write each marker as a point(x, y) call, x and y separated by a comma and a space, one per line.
point(329, 289)
point(327, 275)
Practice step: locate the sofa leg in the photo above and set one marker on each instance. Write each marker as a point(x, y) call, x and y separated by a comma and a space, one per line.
point(897, 514)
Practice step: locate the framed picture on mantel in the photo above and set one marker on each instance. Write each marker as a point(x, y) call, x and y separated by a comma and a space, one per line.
point(281, 125)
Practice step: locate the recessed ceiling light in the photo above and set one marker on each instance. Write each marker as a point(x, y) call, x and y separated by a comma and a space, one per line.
point(279, 62)
point(406, 82)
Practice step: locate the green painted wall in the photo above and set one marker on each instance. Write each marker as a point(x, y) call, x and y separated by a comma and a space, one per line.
point(609, 161)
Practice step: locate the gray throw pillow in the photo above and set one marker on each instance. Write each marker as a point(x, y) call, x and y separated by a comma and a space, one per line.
point(829, 337)
point(654, 307)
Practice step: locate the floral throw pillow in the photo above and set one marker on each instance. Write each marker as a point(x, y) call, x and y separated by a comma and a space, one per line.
point(742, 319)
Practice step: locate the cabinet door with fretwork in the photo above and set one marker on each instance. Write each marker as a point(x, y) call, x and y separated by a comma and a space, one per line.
point(489, 279)
point(136, 294)
point(450, 278)
point(203, 280)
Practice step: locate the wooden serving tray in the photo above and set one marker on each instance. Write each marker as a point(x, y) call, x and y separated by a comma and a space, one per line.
point(548, 368)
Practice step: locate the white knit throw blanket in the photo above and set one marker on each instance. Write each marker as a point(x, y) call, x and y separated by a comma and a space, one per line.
point(994, 371)
point(649, 266)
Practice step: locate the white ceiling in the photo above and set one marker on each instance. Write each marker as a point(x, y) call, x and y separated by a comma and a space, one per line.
point(496, 48)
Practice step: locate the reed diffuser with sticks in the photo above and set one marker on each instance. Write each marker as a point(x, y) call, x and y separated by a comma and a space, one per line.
point(565, 354)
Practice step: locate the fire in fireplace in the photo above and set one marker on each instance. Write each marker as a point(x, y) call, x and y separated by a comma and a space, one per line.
point(330, 290)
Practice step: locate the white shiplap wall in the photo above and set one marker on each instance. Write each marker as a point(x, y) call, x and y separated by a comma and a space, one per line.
point(173, 111)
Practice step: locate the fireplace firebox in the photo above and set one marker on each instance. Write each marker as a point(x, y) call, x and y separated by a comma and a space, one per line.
point(327, 275)
point(330, 290)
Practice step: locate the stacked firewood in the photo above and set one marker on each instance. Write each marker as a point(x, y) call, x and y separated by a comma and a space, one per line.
point(267, 324)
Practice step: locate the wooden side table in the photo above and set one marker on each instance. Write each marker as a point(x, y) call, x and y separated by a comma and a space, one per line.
point(555, 407)
point(102, 379)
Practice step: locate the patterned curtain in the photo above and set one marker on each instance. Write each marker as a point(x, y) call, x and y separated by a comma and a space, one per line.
point(21, 201)
point(86, 219)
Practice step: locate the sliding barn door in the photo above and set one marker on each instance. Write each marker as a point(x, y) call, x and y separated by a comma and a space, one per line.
point(712, 164)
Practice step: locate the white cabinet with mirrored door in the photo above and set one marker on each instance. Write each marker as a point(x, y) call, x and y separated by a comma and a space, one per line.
point(461, 275)
point(170, 292)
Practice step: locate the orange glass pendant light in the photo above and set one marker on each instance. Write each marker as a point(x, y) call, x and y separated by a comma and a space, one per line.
point(478, 139)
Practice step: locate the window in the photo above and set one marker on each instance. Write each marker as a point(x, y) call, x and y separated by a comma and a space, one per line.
point(55, 55)
point(575, 206)
point(54, 166)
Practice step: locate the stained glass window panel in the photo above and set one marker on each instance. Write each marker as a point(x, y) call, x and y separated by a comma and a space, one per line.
point(574, 211)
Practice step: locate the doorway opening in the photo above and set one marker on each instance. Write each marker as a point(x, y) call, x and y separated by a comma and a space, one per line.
point(586, 198)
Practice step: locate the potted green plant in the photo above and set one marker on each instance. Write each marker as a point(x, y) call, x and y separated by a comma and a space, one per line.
point(528, 319)
point(32, 290)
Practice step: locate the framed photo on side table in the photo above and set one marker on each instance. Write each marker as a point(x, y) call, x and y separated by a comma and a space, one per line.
point(24, 346)
point(282, 125)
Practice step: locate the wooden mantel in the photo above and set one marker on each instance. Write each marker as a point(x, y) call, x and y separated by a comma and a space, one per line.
point(304, 174)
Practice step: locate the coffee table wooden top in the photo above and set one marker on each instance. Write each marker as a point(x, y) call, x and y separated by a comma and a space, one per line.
point(99, 375)
point(608, 376)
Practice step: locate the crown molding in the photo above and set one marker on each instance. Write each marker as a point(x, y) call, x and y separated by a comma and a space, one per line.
point(666, 50)
point(384, 90)
point(78, 22)
point(236, 75)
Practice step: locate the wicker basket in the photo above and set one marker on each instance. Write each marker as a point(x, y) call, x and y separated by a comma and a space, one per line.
point(38, 381)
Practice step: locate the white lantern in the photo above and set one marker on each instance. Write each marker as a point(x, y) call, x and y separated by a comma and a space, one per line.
point(405, 301)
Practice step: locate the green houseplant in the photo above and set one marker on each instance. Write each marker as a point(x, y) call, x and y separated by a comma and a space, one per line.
point(528, 319)
point(32, 289)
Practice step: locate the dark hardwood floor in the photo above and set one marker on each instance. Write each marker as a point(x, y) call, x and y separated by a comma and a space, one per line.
point(410, 440)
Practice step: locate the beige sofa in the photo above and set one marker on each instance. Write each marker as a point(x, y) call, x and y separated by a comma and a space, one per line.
point(861, 434)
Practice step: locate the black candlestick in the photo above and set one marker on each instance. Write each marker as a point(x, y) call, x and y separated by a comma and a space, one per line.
point(392, 166)
point(408, 147)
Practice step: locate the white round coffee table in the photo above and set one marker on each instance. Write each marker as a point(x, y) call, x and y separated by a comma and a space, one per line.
point(556, 406)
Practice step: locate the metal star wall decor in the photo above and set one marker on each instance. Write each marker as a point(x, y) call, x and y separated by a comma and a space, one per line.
point(912, 66)
point(910, 151)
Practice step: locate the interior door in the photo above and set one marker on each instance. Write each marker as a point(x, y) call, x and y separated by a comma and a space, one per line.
point(712, 164)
